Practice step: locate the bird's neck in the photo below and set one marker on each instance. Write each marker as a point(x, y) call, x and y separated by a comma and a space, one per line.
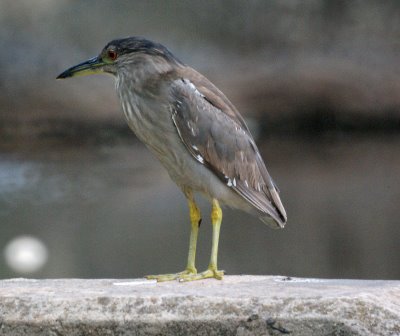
point(144, 105)
point(146, 77)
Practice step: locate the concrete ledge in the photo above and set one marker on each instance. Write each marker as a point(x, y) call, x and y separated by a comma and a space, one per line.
point(238, 305)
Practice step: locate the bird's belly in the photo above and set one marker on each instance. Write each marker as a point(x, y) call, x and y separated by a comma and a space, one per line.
point(201, 179)
point(187, 172)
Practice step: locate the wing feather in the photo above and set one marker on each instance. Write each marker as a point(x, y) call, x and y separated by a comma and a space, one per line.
point(216, 135)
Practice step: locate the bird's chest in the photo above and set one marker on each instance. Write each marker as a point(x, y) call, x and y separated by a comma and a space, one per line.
point(147, 119)
point(151, 121)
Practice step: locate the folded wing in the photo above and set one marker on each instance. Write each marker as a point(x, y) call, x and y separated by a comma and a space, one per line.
point(216, 135)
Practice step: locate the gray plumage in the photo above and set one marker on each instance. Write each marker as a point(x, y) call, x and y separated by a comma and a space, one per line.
point(196, 133)
point(209, 126)
point(192, 128)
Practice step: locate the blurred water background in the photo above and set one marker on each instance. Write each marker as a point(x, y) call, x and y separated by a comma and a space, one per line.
point(318, 82)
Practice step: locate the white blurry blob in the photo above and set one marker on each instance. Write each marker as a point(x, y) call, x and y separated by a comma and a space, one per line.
point(25, 254)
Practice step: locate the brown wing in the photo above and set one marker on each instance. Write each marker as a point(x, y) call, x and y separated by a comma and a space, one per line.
point(212, 94)
point(217, 136)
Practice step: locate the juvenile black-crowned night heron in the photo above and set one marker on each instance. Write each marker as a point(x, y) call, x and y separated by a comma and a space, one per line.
point(196, 133)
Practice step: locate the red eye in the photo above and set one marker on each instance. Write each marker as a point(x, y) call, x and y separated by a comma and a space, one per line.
point(112, 55)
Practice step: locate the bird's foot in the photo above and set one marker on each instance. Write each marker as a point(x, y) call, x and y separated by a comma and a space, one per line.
point(209, 273)
point(172, 276)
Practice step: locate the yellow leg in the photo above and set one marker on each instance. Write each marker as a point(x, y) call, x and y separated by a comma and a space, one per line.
point(216, 220)
point(195, 220)
point(212, 270)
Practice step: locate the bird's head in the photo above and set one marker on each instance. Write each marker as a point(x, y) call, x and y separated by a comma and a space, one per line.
point(123, 54)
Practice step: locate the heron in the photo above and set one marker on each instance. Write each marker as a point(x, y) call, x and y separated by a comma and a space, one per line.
point(196, 133)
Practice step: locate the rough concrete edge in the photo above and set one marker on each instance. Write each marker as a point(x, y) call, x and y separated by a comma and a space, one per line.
point(247, 315)
point(289, 318)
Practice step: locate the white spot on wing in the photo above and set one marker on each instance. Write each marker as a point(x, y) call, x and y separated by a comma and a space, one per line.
point(193, 87)
point(199, 158)
point(229, 184)
point(192, 128)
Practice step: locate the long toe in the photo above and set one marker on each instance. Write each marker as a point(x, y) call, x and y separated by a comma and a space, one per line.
point(209, 273)
point(171, 276)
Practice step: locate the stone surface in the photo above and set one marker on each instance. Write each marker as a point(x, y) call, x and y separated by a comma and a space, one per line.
point(238, 305)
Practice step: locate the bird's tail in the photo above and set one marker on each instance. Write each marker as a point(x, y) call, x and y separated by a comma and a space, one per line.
point(272, 222)
point(275, 219)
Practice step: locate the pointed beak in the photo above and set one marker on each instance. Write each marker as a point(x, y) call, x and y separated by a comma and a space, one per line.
point(89, 67)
